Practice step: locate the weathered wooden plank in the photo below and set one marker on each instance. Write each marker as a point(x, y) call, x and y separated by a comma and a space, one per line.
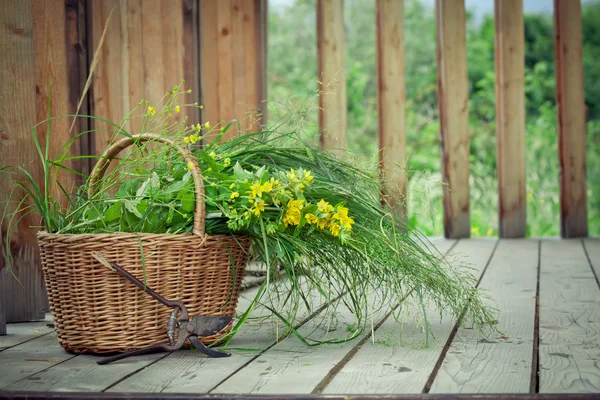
point(209, 69)
point(110, 87)
point(191, 373)
point(278, 370)
point(24, 332)
point(331, 47)
point(569, 320)
point(510, 117)
point(503, 361)
point(592, 249)
point(26, 359)
point(225, 60)
point(80, 373)
point(390, 102)
point(191, 60)
point(571, 118)
point(83, 374)
point(453, 98)
point(33, 44)
point(400, 363)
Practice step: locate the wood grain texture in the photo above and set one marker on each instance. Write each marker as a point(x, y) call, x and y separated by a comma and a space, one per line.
point(35, 47)
point(571, 118)
point(453, 102)
point(592, 249)
point(510, 117)
point(501, 362)
point(26, 359)
point(24, 332)
point(390, 102)
point(292, 367)
point(190, 372)
point(331, 48)
point(232, 50)
point(142, 57)
point(401, 363)
point(569, 320)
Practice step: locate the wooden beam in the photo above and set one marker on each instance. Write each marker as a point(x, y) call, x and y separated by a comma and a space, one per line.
point(36, 39)
point(390, 102)
point(332, 74)
point(232, 51)
point(510, 117)
point(454, 121)
point(571, 118)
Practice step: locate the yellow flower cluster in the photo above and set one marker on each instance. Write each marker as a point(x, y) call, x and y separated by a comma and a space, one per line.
point(294, 212)
point(332, 218)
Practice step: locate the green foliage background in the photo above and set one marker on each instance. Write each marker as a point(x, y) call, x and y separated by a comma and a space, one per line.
point(292, 80)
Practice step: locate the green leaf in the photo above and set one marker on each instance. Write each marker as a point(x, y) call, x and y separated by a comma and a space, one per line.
point(114, 212)
point(209, 160)
point(188, 202)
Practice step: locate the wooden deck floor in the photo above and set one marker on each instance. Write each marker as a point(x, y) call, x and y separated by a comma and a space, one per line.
point(546, 290)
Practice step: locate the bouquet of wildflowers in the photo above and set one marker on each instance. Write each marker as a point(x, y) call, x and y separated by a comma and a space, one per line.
point(312, 218)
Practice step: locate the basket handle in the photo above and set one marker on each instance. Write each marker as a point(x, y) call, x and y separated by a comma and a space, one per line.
point(112, 151)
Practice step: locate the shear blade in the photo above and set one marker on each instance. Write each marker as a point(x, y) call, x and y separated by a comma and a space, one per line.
point(209, 325)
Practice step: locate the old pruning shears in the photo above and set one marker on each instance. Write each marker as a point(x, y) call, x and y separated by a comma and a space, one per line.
point(188, 328)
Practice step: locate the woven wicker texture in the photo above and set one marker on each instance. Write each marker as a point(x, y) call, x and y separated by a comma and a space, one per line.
point(96, 310)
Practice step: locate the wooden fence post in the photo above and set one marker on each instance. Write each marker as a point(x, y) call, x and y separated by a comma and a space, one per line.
point(510, 118)
point(453, 99)
point(233, 44)
point(571, 118)
point(390, 102)
point(332, 74)
point(35, 41)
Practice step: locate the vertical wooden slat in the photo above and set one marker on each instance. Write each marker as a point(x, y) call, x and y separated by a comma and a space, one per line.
point(209, 69)
point(34, 39)
point(190, 57)
point(142, 58)
point(238, 50)
point(331, 49)
point(453, 99)
point(224, 62)
point(110, 76)
point(231, 61)
point(510, 117)
point(571, 117)
point(390, 102)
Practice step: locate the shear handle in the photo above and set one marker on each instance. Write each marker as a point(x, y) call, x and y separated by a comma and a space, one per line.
point(141, 285)
point(150, 349)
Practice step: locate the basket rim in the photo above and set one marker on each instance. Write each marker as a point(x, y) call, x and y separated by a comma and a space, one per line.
point(141, 234)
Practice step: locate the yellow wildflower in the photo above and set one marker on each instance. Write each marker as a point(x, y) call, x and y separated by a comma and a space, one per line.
point(311, 218)
point(190, 165)
point(275, 182)
point(266, 187)
point(342, 212)
point(295, 204)
point(324, 206)
point(291, 217)
point(347, 222)
point(213, 154)
point(232, 186)
point(307, 178)
point(292, 175)
point(256, 190)
point(259, 206)
point(246, 215)
point(198, 127)
point(186, 139)
point(151, 110)
point(323, 222)
point(177, 109)
point(335, 229)
point(234, 195)
point(207, 125)
point(227, 161)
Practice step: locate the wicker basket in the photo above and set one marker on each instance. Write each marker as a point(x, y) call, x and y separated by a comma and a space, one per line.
point(97, 311)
